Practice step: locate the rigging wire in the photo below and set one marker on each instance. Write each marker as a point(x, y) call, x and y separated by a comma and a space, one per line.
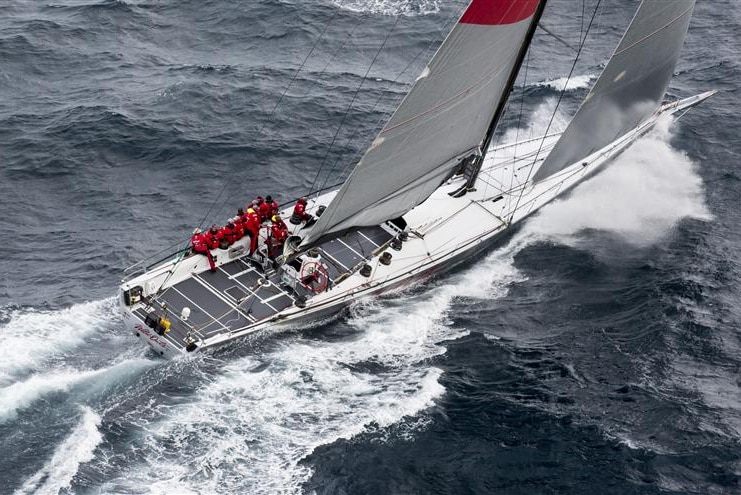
point(262, 128)
point(357, 129)
point(555, 110)
point(341, 47)
point(352, 101)
point(275, 107)
point(519, 125)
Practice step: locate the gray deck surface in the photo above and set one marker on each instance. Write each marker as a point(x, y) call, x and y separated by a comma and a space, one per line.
point(237, 294)
point(344, 253)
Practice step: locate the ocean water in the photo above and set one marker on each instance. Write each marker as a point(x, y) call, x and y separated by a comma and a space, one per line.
point(594, 350)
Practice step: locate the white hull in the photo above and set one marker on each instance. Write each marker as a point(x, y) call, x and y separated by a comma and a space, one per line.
point(443, 231)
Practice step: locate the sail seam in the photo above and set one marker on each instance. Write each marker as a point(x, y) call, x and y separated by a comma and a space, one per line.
point(655, 32)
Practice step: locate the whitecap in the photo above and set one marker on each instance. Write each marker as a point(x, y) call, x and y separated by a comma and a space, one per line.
point(77, 448)
point(407, 8)
point(30, 337)
point(568, 83)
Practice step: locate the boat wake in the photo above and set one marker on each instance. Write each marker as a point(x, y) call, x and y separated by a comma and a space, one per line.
point(22, 394)
point(77, 448)
point(249, 426)
point(33, 337)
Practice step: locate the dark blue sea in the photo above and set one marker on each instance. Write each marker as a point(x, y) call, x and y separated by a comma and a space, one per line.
point(595, 350)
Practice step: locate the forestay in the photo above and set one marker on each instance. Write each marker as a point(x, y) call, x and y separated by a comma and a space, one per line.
point(444, 118)
point(631, 87)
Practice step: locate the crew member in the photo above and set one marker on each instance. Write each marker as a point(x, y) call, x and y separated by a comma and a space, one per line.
point(266, 208)
point(256, 203)
point(199, 241)
point(252, 227)
point(212, 239)
point(274, 206)
point(299, 213)
point(238, 227)
point(278, 235)
point(226, 236)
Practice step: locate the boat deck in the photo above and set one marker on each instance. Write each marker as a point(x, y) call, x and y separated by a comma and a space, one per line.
point(238, 295)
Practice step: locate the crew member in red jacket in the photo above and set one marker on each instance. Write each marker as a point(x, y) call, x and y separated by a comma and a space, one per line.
point(274, 206)
point(256, 203)
point(278, 235)
point(199, 241)
point(212, 239)
point(226, 236)
point(252, 223)
point(238, 227)
point(299, 213)
point(268, 208)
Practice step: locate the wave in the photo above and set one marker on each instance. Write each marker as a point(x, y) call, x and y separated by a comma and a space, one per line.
point(31, 337)
point(104, 5)
point(567, 84)
point(78, 448)
point(21, 395)
point(407, 8)
point(249, 430)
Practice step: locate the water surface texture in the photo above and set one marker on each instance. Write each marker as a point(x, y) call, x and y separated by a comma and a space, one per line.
point(595, 350)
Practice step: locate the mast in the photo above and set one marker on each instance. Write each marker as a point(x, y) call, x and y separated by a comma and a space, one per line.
point(473, 168)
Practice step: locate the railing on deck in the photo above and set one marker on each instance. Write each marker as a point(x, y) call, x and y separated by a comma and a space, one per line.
point(146, 264)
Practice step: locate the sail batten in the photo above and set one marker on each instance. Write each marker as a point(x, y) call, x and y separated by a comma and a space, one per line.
point(630, 88)
point(446, 116)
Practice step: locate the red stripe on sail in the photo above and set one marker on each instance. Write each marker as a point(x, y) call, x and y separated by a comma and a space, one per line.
point(493, 12)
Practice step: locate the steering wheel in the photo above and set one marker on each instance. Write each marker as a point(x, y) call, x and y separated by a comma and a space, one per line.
point(314, 277)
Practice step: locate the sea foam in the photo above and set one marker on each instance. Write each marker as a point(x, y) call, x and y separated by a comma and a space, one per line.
point(58, 473)
point(30, 337)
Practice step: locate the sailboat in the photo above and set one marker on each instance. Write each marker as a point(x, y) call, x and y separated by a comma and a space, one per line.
point(412, 207)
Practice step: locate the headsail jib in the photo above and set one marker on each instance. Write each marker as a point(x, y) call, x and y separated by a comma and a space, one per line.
point(446, 117)
point(630, 88)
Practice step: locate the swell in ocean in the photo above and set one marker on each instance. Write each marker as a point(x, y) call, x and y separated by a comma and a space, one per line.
point(595, 348)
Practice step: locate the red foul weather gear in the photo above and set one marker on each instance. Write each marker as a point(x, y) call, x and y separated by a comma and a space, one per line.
point(198, 241)
point(264, 211)
point(200, 246)
point(299, 213)
point(274, 208)
point(238, 230)
point(225, 236)
point(278, 235)
point(276, 219)
point(252, 228)
point(212, 238)
point(256, 203)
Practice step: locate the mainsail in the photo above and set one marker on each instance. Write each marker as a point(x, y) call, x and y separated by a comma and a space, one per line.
point(631, 87)
point(445, 117)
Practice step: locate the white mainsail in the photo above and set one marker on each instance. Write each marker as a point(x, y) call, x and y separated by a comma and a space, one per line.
point(444, 118)
point(630, 88)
